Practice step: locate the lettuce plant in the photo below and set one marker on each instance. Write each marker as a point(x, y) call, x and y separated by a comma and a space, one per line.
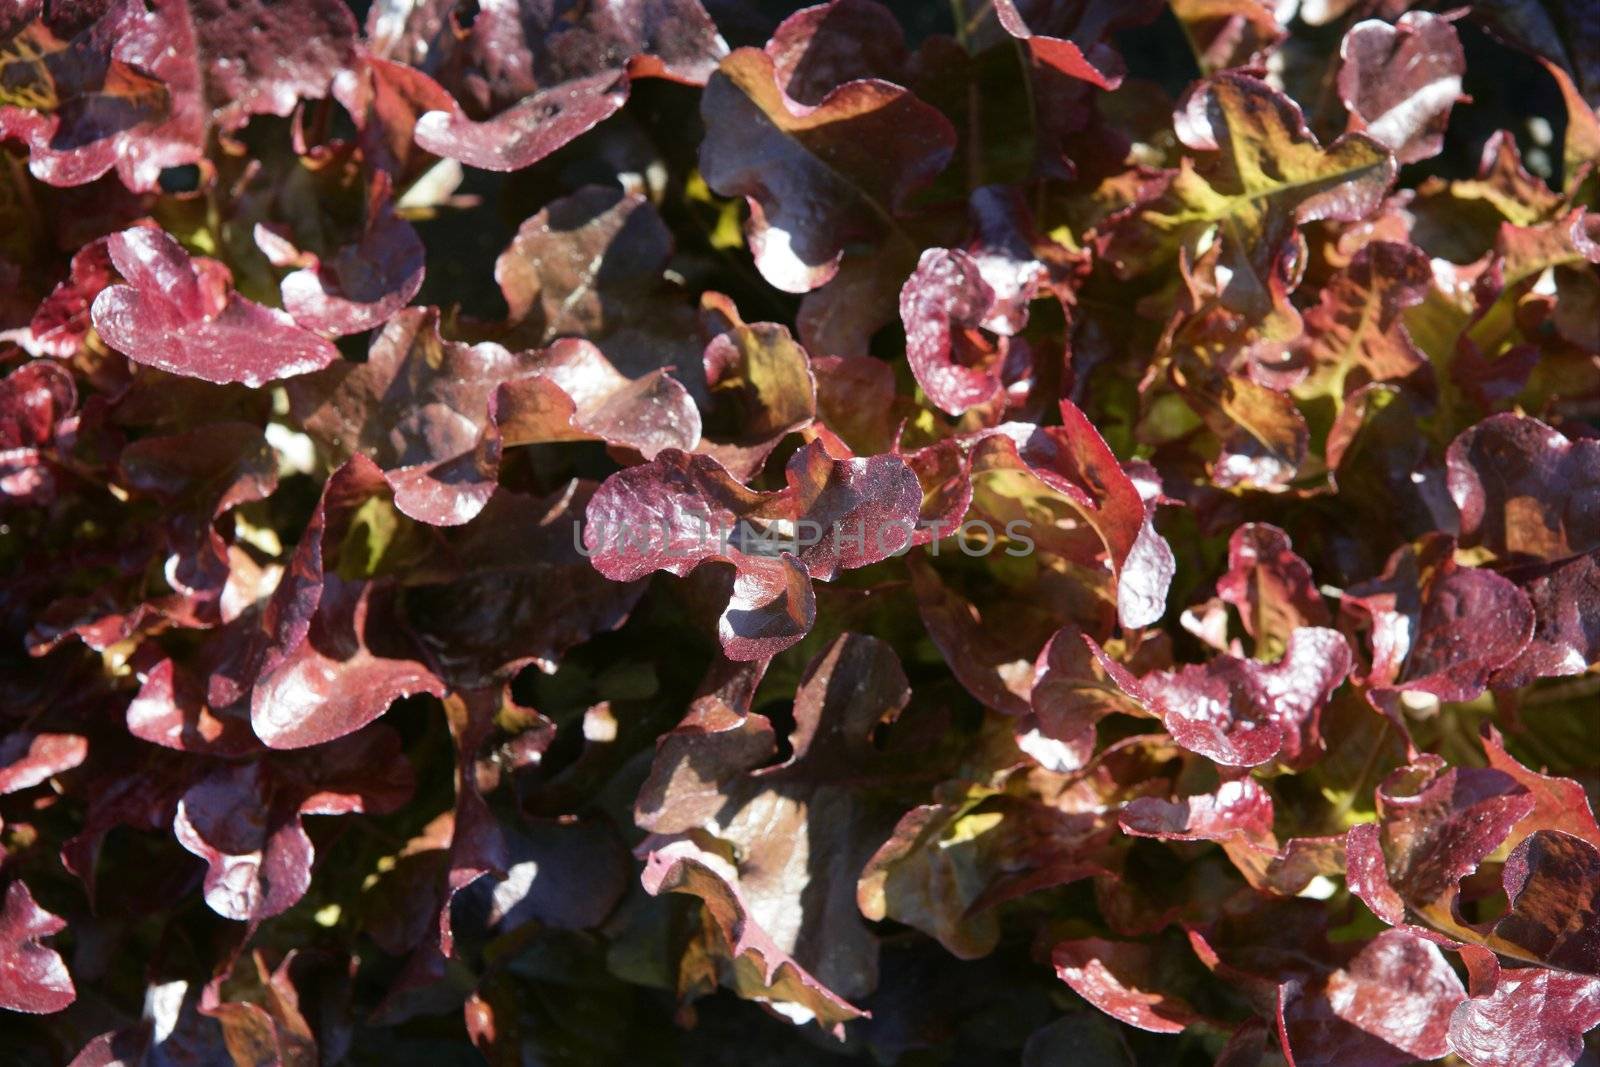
point(717, 531)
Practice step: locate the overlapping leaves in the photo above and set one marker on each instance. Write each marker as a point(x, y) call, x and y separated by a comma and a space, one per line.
point(526, 525)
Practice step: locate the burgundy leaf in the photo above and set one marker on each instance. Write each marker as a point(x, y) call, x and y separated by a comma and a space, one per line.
point(83, 98)
point(1437, 627)
point(761, 389)
point(1559, 803)
point(258, 861)
point(326, 671)
point(1552, 881)
point(180, 315)
point(1074, 461)
point(1390, 1005)
point(942, 306)
point(1367, 873)
point(681, 510)
point(819, 48)
point(1533, 1018)
point(540, 75)
point(243, 820)
point(1270, 586)
point(800, 829)
point(1401, 81)
point(362, 284)
point(61, 323)
point(28, 758)
point(1566, 632)
point(33, 977)
point(1068, 37)
point(1526, 490)
point(1118, 978)
point(34, 399)
point(757, 967)
point(1242, 713)
point(436, 414)
point(1357, 333)
point(515, 590)
point(582, 259)
point(1238, 807)
point(816, 177)
point(1437, 825)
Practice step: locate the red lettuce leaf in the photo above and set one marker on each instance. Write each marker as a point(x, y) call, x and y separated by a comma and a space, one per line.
point(816, 177)
point(1437, 627)
point(1242, 713)
point(436, 414)
point(1271, 587)
point(33, 977)
point(1524, 489)
point(181, 315)
point(1401, 81)
point(535, 76)
point(1118, 978)
point(1391, 1005)
point(679, 511)
point(1533, 1016)
point(798, 828)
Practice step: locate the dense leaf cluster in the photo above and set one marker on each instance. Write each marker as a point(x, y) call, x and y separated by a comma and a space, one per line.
point(706, 531)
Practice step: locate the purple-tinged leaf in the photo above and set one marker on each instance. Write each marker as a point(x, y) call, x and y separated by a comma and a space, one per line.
point(1437, 627)
point(1119, 978)
point(1401, 81)
point(243, 819)
point(1242, 713)
point(1436, 827)
point(1240, 807)
point(258, 862)
point(942, 305)
point(801, 830)
point(679, 511)
point(83, 99)
point(1271, 587)
point(761, 389)
point(582, 259)
point(1566, 631)
point(1552, 884)
point(1534, 1017)
point(33, 977)
point(1388, 1006)
point(61, 322)
point(363, 283)
point(1357, 333)
point(514, 590)
point(1072, 461)
point(819, 48)
point(816, 177)
point(1559, 803)
point(1261, 174)
point(261, 58)
point(528, 131)
point(1069, 37)
point(1524, 489)
point(534, 76)
point(436, 414)
point(180, 314)
point(1367, 873)
point(34, 399)
point(757, 967)
point(28, 758)
point(326, 670)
